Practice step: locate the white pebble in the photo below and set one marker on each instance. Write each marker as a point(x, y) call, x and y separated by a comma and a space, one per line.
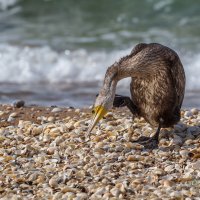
point(194, 111)
point(175, 194)
point(1, 113)
point(56, 110)
point(10, 119)
point(115, 192)
point(13, 115)
point(77, 111)
point(57, 196)
point(169, 168)
point(81, 196)
point(196, 165)
point(100, 191)
point(188, 114)
point(53, 182)
point(68, 195)
point(51, 119)
point(109, 128)
point(184, 153)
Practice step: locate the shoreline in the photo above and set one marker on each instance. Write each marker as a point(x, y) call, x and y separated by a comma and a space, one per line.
point(78, 95)
point(43, 154)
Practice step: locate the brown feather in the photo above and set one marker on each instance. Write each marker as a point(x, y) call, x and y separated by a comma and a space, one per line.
point(158, 82)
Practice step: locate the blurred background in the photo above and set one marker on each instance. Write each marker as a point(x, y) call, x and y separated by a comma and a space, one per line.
point(56, 52)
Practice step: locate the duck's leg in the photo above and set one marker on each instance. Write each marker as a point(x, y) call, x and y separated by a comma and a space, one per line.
point(121, 101)
point(150, 142)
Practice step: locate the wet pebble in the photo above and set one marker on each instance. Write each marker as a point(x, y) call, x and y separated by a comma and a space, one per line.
point(13, 115)
point(50, 159)
point(19, 104)
point(54, 110)
point(188, 114)
point(169, 168)
point(194, 111)
point(177, 140)
point(53, 182)
point(51, 119)
point(10, 119)
point(196, 165)
point(184, 153)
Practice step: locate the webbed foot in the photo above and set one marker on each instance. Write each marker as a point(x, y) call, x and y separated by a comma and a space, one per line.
point(121, 101)
point(148, 142)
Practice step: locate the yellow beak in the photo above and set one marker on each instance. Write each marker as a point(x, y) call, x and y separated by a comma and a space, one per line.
point(99, 112)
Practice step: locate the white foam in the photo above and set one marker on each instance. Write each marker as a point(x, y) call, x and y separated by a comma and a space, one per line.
point(192, 70)
point(162, 4)
point(5, 4)
point(42, 64)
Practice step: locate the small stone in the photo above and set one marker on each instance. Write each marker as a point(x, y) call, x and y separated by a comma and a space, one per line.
point(68, 189)
point(167, 183)
point(194, 111)
point(158, 171)
point(163, 140)
point(184, 153)
point(109, 128)
point(77, 111)
point(176, 194)
point(68, 195)
point(131, 158)
point(19, 104)
point(177, 140)
point(36, 131)
point(56, 110)
point(1, 113)
point(77, 124)
point(81, 196)
point(196, 165)
point(169, 168)
point(107, 195)
point(188, 114)
point(99, 150)
point(13, 115)
point(121, 187)
point(57, 196)
point(129, 145)
point(137, 146)
point(51, 119)
point(189, 136)
point(115, 192)
point(53, 182)
point(109, 114)
point(33, 177)
point(51, 150)
point(10, 119)
point(180, 127)
point(194, 130)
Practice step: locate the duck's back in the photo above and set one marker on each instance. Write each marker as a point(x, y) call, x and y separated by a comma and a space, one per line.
point(159, 90)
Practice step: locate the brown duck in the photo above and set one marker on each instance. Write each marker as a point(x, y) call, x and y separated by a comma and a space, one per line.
point(157, 88)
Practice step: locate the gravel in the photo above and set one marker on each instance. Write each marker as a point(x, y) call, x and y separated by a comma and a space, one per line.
point(49, 159)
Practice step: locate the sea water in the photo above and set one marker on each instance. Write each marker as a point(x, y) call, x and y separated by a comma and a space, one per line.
point(56, 52)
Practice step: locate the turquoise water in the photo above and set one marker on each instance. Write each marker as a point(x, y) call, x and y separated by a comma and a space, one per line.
point(104, 24)
point(68, 44)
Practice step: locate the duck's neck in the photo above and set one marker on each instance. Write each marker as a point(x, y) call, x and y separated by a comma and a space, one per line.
point(110, 83)
point(123, 69)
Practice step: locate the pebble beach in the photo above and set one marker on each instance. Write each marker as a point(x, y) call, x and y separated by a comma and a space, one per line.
point(44, 155)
